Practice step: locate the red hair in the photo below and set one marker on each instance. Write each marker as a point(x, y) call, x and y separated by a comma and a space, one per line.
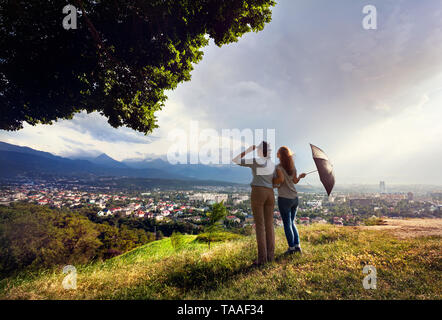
point(287, 161)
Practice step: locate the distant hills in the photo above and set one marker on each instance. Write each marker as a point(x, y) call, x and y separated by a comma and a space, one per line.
point(231, 173)
point(106, 161)
point(24, 161)
point(13, 148)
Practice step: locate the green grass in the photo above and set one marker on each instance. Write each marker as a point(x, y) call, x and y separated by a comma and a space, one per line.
point(330, 268)
point(217, 236)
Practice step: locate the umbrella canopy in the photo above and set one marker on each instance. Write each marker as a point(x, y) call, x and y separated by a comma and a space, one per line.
point(325, 168)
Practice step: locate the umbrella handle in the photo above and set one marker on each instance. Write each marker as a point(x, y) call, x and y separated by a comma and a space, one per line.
point(311, 172)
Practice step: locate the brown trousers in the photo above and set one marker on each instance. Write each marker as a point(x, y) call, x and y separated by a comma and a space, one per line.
point(263, 202)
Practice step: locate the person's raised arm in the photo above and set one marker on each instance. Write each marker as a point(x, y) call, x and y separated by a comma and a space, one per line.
point(238, 158)
point(279, 177)
point(297, 179)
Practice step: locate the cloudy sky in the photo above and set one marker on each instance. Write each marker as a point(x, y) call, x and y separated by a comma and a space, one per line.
point(370, 98)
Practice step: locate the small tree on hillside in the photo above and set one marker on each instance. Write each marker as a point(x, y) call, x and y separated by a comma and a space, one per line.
point(177, 240)
point(214, 224)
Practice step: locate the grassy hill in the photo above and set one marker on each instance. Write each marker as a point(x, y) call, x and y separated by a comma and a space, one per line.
point(330, 268)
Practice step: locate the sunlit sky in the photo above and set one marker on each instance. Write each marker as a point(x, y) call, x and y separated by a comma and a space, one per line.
point(370, 98)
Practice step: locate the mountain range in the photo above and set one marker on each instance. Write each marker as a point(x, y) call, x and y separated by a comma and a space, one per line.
point(24, 161)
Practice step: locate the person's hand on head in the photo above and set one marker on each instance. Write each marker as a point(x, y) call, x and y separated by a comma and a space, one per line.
point(251, 148)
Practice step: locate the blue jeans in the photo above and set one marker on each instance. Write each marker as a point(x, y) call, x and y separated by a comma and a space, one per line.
point(288, 208)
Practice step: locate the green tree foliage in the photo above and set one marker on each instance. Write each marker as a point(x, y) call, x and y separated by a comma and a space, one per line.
point(177, 240)
point(34, 237)
point(119, 61)
point(41, 237)
point(214, 224)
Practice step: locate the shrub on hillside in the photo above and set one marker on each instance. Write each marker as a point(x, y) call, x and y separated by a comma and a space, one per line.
point(214, 224)
point(177, 241)
point(374, 221)
point(36, 237)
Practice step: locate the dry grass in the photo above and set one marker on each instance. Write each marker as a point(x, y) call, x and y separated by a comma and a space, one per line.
point(330, 268)
point(411, 228)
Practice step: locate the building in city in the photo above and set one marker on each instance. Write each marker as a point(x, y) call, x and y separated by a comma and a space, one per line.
point(382, 187)
point(209, 197)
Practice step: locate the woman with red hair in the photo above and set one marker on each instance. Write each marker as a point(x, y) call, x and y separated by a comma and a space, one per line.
point(286, 179)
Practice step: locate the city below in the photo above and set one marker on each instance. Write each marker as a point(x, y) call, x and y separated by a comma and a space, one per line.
point(190, 204)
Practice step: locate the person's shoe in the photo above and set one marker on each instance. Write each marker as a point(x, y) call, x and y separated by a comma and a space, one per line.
point(257, 264)
point(297, 250)
point(294, 250)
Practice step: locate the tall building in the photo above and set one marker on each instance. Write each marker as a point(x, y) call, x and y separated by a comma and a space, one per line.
point(410, 196)
point(382, 187)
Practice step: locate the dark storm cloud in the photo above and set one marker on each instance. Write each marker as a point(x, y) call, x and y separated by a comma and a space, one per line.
point(315, 74)
point(316, 57)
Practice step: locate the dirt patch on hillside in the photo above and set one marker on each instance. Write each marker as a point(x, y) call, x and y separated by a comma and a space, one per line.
point(410, 228)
